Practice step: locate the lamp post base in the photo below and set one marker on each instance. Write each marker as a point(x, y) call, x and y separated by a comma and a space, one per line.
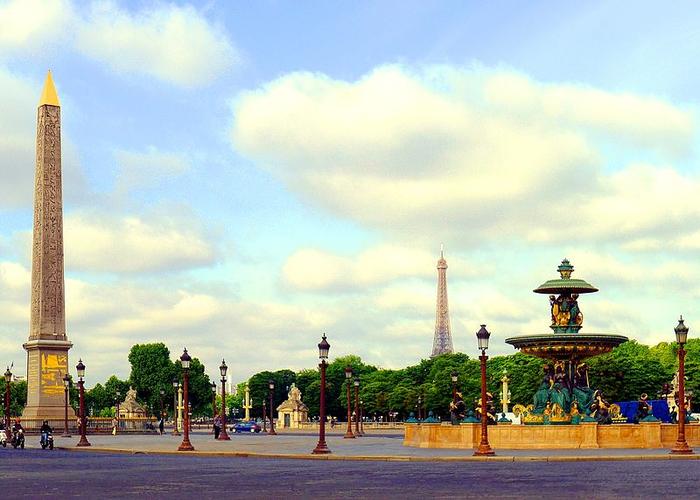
point(349, 435)
point(83, 442)
point(185, 446)
point(321, 449)
point(681, 448)
point(484, 450)
point(223, 436)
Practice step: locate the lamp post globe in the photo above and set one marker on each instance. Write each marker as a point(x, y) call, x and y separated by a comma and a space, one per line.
point(80, 368)
point(321, 446)
point(681, 447)
point(223, 369)
point(185, 361)
point(271, 386)
point(484, 448)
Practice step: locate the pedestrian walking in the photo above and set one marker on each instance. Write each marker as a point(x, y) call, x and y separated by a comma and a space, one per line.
point(115, 422)
point(161, 425)
point(217, 426)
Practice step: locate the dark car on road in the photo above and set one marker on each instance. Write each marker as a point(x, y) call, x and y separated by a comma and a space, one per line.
point(243, 426)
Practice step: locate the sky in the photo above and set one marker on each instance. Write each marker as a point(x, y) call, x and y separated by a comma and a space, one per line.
point(241, 177)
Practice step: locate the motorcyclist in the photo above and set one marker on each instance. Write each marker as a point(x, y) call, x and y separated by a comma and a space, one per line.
point(17, 426)
point(46, 428)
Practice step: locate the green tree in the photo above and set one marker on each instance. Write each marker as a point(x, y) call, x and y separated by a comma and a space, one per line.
point(152, 371)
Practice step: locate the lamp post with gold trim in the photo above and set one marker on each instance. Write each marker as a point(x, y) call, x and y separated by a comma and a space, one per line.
point(80, 368)
point(321, 447)
point(484, 448)
point(681, 447)
point(185, 359)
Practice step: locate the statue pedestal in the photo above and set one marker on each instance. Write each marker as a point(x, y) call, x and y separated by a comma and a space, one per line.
point(589, 435)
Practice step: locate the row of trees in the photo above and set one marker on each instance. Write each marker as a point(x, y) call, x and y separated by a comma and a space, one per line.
point(152, 370)
point(622, 375)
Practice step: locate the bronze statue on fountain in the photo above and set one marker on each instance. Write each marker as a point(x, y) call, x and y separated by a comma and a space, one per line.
point(565, 382)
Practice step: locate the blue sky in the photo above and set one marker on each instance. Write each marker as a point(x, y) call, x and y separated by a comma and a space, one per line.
point(241, 177)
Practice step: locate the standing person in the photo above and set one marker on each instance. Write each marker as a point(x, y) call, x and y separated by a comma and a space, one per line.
point(114, 426)
point(161, 425)
point(217, 426)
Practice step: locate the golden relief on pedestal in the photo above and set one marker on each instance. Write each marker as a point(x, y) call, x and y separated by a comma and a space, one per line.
point(53, 367)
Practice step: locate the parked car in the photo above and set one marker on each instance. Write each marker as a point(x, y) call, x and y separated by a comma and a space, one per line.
point(243, 426)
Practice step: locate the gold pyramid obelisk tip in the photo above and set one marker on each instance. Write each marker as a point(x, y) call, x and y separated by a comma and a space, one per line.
point(49, 95)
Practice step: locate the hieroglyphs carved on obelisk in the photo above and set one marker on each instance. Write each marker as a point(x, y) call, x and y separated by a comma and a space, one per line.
point(47, 348)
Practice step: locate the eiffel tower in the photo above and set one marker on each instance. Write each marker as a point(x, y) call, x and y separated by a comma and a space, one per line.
point(442, 342)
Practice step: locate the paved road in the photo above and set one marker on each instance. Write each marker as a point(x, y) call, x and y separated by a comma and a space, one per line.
point(60, 474)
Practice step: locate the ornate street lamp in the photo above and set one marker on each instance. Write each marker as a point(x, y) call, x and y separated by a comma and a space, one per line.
point(271, 385)
point(8, 381)
point(213, 400)
point(223, 435)
point(681, 447)
point(118, 398)
point(454, 376)
point(356, 383)
point(264, 429)
point(483, 341)
point(321, 447)
point(362, 418)
point(348, 377)
point(176, 385)
point(80, 368)
point(420, 408)
point(162, 393)
point(66, 386)
point(185, 360)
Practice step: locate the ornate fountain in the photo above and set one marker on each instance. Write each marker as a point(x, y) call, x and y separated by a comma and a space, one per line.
point(565, 396)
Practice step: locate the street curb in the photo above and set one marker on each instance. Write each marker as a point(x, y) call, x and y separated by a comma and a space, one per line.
point(390, 458)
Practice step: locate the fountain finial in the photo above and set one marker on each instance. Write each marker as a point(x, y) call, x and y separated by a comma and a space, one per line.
point(565, 269)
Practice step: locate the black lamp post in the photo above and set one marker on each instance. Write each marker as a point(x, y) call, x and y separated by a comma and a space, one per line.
point(8, 381)
point(321, 447)
point(348, 377)
point(119, 401)
point(176, 386)
point(420, 408)
point(66, 386)
point(454, 376)
point(264, 429)
point(185, 359)
point(681, 447)
point(271, 385)
point(223, 435)
point(162, 393)
point(213, 400)
point(484, 448)
point(362, 418)
point(356, 383)
point(80, 368)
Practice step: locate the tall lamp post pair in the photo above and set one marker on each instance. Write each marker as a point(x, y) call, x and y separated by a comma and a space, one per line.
point(356, 383)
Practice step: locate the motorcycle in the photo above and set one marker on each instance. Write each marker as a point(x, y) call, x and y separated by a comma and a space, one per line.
point(18, 438)
point(3, 438)
point(46, 440)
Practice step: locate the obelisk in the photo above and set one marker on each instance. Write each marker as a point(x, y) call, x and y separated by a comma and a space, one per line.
point(47, 348)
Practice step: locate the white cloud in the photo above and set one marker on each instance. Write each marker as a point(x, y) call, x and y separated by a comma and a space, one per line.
point(173, 43)
point(472, 154)
point(311, 269)
point(99, 242)
point(30, 25)
point(139, 170)
point(170, 42)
